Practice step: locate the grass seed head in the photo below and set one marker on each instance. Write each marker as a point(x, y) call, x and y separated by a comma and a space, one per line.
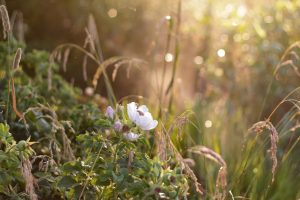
point(17, 58)
point(5, 21)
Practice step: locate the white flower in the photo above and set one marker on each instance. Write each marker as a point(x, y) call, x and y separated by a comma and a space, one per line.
point(131, 136)
point(141, 116)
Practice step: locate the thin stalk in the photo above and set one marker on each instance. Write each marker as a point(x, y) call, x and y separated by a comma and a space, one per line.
point(176, 56)
point(167, 49)
point(96, 59)
point(8, 78)
point(87, 180)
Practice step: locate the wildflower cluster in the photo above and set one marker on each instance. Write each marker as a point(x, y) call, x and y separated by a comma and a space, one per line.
point(139, 120)
point(114, 163)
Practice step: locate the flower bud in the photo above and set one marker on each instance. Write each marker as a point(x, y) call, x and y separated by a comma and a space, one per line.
point(110, 112)
point(131, 136)
point(118, 126)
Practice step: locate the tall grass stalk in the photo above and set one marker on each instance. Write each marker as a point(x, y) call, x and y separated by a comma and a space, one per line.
point(7, 34)
point(167, 50)
point(176, 57)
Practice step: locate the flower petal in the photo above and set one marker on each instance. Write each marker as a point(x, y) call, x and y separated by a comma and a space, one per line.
point(131, 136)
point(132, 111)
point(143, 108)
point(144, 121)
point(151, 125)
point(110, 112)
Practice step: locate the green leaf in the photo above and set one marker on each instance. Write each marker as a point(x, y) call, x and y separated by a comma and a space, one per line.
point(66, 182)
point(103, 123)
point(118, 179)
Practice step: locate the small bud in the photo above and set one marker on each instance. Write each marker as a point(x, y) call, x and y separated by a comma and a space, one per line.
point(118, 126)
point(131, 136)
point(110, 112)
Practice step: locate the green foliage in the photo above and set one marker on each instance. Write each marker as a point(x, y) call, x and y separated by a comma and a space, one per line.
point(78, 152)
point(11, 154)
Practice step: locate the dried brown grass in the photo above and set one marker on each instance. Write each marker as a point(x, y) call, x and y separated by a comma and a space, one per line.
point(5, 21)
point(259, 128)
point(221, 183)
point(165, 145)
point(29, 179)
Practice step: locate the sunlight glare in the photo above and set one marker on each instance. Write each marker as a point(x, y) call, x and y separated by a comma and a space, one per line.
point(208, 124)
point(242, 11)
point(168, 57)
point(221, 53)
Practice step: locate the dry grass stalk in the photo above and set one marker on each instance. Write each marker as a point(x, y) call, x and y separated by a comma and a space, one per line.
point(221, 182)
point(286, 59)
point(258, 128)
point(90, 42)
point(29, 179)
point(57, 128)
point(165, 143)
point(16, 63)
point(66, 57)
point(208, 153)
point(187, 169)
point(17, 58)
point(14, 100)
point(5, 21)
point(190, 162)
point(92, 29)
point(67, 150)
point(116, 62)
point(178, 123)
point(84, 68)
point(19, 26)
point(161, 145)
point(115, 72)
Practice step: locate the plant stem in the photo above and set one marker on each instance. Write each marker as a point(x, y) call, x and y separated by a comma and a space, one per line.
point(167, 49)
point(87, 180)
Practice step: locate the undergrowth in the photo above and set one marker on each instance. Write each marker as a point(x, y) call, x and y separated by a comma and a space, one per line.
point(58, 142)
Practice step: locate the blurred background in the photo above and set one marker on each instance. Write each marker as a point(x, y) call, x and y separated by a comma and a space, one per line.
point(224, 53)
point(227, 49)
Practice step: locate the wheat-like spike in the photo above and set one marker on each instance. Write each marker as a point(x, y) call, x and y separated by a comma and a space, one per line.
point(221, 182)
point(258, 128)
point(5, 20)
point(17, 58)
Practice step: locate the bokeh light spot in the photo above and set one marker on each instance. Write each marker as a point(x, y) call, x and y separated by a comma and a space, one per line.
point(168, 17)
point(241, 11)
point(219, 72)
point(208, 124)
point(221, 53)
point(169, 57)
point(198, 60)
point(112, 13)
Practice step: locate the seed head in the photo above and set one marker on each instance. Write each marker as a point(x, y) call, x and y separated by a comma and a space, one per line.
point(5, 20)
point(17, 58)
